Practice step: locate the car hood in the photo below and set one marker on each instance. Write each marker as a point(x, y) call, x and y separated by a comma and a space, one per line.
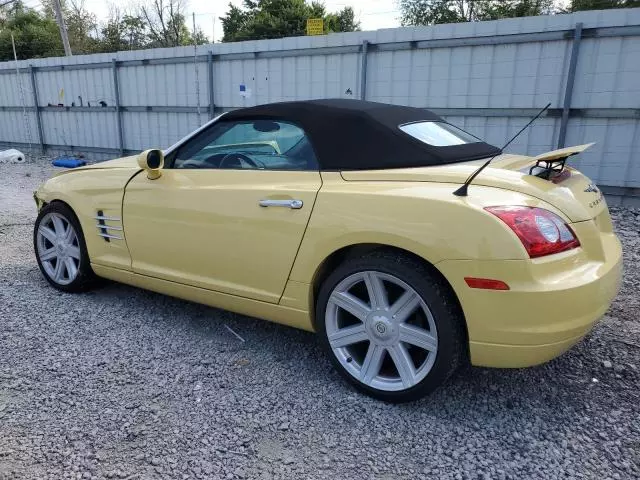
point(574, 194)
point(124, 162)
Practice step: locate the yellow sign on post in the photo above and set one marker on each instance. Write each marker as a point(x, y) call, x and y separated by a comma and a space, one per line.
point(315, 26)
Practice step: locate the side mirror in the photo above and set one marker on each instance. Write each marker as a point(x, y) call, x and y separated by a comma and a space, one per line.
point(152, 161)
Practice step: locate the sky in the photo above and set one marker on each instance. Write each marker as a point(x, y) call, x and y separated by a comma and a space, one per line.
point(372, 14)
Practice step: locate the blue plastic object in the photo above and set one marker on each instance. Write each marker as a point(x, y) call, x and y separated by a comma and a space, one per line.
point(68, 162)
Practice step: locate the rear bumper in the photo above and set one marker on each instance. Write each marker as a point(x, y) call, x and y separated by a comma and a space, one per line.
point(518, 356)
point(553, 302)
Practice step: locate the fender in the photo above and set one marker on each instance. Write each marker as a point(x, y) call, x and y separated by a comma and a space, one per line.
point(87, 194)
point(422, 218)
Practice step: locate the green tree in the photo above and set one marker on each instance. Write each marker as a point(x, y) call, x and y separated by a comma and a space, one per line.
point(123, 31)
point(577, 5)
point(35, 34)
point(82, 27)
point(343, 21)
point(430, 12)
point(516, 8)
point(166, 24)
point(198, 37)
point(260, 19)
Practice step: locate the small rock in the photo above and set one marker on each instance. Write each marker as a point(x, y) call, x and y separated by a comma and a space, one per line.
point(607, 364)
point(155, 461)
point(288, 460)
point(283, 426)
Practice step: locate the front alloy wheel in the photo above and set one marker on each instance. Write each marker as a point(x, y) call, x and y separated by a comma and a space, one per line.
point(60, 249)
point(391, 326)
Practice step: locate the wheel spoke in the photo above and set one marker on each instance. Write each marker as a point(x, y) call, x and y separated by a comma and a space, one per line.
point(375, 289)
point(74, 252)
point(58, 225)
point(405, 306)
point(58, 274)
point(47, 233)
point(351, 304)
point(71, 268)
point(48, 255)
point(403, 363)
point(348, 336)
point(419, 337)
point(372, 363)
point(69, 235)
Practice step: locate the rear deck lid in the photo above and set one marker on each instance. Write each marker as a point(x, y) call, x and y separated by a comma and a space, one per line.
point(570, 191)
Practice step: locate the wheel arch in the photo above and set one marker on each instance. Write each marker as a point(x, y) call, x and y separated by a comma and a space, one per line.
point(66, 204)
point(338, 256)
point(57, 200)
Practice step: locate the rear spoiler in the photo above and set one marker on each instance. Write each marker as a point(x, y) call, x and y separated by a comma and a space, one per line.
point(562, 153)
point(552, 163)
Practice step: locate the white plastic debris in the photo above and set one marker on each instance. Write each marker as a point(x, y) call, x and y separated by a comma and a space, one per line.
point(234, 333)
point(12, 156)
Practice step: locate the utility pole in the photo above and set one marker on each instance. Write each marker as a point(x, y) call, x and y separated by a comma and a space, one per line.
point(63, 28)
point(195, 65)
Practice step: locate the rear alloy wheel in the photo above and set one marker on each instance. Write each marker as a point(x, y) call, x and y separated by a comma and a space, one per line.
point(391, 326)
point(60, 249)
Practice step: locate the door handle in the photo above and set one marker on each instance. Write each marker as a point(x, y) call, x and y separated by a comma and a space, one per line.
point(293, 204)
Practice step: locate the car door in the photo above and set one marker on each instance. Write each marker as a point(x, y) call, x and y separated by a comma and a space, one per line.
point(228, 212)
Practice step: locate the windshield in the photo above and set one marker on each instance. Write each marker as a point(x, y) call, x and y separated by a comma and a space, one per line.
point(438, 134)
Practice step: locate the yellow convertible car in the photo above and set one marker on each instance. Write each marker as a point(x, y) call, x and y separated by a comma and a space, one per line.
point(339, 217)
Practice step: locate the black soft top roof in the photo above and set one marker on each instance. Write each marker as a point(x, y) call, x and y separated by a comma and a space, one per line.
point(360, 135)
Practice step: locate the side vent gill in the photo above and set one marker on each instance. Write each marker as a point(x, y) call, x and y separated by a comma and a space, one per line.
point(108, 232)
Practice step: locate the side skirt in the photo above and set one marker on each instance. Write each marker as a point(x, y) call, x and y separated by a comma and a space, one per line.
point(254, 308)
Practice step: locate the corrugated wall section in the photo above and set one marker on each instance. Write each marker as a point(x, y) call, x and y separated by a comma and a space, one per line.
point(18, 123)
point(512, 76)
point(486, 77)
point(162, 85)
point(608, 76)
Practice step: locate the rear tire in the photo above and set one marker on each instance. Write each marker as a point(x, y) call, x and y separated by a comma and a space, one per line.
point(60, 249)
point(391, 326)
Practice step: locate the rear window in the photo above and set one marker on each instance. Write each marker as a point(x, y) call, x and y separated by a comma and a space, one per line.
point(438, 134)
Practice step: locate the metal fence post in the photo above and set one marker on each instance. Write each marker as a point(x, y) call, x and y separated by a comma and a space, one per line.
point(568, 91)
point(116, 92)
point(210, 83)
point(363, 70)
point(36, 107)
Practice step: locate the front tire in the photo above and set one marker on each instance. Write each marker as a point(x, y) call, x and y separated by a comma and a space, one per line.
point(60, 249)
point(391, 326)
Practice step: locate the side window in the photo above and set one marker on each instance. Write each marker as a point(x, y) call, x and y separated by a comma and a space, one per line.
point(248, 144)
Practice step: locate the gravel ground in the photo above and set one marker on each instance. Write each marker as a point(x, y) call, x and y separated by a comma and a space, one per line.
point(124, 383)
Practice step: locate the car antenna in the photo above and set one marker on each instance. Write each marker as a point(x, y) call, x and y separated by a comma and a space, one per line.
point(462, 191)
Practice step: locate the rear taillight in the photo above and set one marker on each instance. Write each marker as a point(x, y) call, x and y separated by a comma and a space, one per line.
point(540, 231)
